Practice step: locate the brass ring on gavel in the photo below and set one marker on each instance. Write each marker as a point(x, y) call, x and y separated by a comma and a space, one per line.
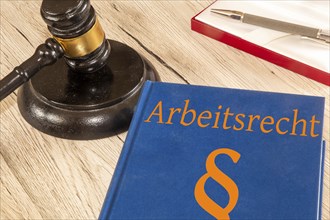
point(84, 44)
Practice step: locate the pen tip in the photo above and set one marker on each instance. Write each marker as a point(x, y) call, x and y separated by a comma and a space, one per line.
point(237, 15)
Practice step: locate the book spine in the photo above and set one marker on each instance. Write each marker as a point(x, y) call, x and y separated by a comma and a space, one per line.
point(319, 215)
point(124, 156)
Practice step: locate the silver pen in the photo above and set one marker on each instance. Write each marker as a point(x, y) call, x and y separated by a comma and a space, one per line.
point(304, 31)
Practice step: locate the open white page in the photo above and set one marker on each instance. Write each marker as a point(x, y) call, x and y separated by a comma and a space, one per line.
point(308, 13)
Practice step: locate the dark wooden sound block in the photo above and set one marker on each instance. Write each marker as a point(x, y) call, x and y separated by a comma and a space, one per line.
point(83, 106)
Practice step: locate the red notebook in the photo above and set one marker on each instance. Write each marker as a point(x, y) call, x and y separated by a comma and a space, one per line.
point(304, 56)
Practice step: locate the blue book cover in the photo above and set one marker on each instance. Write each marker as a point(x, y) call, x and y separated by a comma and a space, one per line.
point(196, 152)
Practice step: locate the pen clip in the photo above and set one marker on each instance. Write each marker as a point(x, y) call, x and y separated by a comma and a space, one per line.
point(317, 40)
point(324, 35)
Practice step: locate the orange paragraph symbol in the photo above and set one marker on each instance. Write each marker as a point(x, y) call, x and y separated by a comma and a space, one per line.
point(216, 174)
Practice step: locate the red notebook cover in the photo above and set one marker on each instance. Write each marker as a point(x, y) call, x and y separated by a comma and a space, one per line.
point(261, 52)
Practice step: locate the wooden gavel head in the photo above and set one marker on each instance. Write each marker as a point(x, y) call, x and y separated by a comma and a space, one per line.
point(75, 27)
point(85, 86)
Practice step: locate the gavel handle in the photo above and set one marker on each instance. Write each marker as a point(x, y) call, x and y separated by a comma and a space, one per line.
point(46, 54)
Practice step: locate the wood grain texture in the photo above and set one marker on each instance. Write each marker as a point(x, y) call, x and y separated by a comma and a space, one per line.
point(46, 177)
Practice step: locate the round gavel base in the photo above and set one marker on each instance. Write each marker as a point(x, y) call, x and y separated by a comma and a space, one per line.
point(84, 106)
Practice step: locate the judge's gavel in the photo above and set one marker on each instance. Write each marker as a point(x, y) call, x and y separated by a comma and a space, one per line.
point(78, 84)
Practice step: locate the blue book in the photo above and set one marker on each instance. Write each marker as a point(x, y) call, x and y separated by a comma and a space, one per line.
point(196, 152)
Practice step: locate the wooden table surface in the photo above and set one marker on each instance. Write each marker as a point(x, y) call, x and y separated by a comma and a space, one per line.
point(46, 177)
